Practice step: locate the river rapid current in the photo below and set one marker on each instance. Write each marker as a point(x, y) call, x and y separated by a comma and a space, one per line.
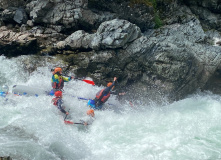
point(31, 128)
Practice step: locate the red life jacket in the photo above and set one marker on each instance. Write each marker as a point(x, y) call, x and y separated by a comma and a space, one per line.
point(59, 85)
point(55, 101)
point(104, 98)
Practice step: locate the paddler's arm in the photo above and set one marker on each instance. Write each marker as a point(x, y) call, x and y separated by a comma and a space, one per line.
point(60, 107)
point(109, 88)
point(67, 79)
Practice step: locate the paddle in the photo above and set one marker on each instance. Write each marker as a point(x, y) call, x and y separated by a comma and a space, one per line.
point(70, 122)
point(85, 80)
point(89, 81)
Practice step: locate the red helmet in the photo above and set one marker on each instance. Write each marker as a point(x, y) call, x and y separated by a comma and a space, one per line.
point(109, 84)
point(58, 93)
point(90, 112)
point(58, 69)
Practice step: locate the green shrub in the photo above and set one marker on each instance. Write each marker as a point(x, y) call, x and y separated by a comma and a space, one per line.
point(152, 3)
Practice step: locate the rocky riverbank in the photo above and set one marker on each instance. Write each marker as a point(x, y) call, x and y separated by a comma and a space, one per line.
point(157, 49)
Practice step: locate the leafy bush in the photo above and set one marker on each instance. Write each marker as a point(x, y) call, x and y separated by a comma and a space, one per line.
point(151, 3)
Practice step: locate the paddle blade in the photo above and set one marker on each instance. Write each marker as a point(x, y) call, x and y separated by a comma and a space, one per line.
point(68, 122)
point(89, 81)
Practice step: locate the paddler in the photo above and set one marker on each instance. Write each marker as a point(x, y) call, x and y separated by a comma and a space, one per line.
point(4, 90)
point(90, 117)
point(103, 95)
point(57, 80)
point(57, 101)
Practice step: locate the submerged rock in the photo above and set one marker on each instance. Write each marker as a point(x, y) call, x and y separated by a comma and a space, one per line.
point(6, 158)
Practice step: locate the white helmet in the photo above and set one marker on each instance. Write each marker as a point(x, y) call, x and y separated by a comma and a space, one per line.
point(5, 88)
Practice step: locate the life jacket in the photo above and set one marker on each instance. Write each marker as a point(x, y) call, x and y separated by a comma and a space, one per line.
point(3, 94)
point(55, 101)
point(104, 98)
point(59, 85)
point(92, 105)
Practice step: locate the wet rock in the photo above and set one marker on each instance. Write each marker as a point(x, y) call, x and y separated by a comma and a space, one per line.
point(77, 40)
point(6, 158)
point(218, 43)
point(115, 34)
point(111, 34)
point(20, 16)
point(8, 14)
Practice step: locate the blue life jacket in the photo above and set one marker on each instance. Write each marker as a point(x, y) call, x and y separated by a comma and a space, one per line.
point(3, 94)
point(91, 104)
point(51, 92)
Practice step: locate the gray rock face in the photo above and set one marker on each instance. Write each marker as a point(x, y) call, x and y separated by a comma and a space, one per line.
point(103, 39)
point(8, 14)
point(111, 34)
point(212, 5)
point(12, 3)
point(67, 13)
point(20, 16)
point(77, 40)
point(141, 14)
point(207, 11)
point(115, 34)
point(173, 61)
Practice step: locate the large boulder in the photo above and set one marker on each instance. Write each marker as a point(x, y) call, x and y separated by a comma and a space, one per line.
point(173, 61)
point(12, 3)
point(20, 16)
point(68, 13)
point(77, 40)
point(14, 44)
point(115, 34)
point(110, 34)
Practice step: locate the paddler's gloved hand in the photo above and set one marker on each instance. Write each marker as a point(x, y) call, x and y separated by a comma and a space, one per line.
point(71, 77)
point(122, 94)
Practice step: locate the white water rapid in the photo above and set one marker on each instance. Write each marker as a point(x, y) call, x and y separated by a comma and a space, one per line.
point(31, 128)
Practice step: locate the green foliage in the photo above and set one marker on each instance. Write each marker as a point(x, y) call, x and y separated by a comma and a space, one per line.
point(157, 21)
point(151, 3)
point(146, 2)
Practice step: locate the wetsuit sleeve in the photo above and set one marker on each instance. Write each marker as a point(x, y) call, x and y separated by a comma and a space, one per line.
point(66, 79)
point(107, 90)
point(60, 106)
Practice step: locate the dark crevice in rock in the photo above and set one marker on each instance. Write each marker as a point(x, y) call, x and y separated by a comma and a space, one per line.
point(214, 83)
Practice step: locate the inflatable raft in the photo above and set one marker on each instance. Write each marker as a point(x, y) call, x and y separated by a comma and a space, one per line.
point(30, 91)
point(33, 91)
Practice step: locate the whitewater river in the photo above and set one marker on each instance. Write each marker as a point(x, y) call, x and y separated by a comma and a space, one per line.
point(31, 128)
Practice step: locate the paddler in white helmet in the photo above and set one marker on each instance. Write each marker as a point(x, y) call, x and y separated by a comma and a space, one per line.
point(3, 90)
